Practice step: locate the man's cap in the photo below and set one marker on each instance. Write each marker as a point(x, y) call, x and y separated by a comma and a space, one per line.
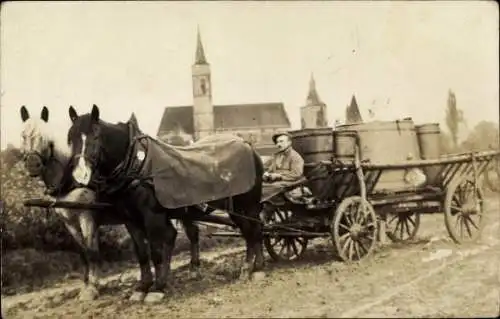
point(275, 136)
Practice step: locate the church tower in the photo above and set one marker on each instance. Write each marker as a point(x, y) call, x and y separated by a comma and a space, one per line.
point(313, 114)
point(203, 113)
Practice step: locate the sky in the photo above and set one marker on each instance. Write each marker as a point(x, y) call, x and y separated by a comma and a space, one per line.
point(399, 58)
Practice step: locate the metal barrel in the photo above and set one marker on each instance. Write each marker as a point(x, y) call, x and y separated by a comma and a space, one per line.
point(429, 141)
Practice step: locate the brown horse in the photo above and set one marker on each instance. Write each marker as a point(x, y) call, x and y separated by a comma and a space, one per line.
point(46, 158)
point(102, 156)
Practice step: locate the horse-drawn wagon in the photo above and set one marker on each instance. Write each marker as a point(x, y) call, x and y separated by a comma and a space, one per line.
point(367, 180)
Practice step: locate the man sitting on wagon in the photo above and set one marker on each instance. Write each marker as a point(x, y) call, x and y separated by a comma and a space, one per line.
point(284, 168)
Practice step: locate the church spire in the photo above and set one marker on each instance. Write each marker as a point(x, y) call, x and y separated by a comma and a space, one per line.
point(352, 112)
point(200, 53)
point(312, 96)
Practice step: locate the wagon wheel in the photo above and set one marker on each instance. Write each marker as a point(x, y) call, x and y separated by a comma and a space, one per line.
point(283, 248)
point(354, 229)
point(463, 211)
point(403, 226)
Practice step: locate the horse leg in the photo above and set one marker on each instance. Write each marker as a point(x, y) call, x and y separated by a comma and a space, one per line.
point(91, 244)
point(74, 230)
point(145, 282)
point(193, 234)
point(257, 227)
point(161, 235)
point(247, 233)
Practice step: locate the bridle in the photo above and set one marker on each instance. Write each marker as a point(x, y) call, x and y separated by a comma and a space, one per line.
point(46, 160)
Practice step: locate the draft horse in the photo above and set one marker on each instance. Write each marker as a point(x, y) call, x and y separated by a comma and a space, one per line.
point(45, 157)
point(101, 150)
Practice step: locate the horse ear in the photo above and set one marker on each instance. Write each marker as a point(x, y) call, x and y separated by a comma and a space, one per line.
point(45, 114)
point(94, 115)
point(72, 113)
point(25, 115)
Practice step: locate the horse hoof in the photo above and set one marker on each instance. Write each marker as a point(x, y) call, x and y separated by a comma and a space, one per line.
point(88, 293)
point(154, 297)
point(194, 274)
point(137, 296)
point(258, 276)
point(245, 274)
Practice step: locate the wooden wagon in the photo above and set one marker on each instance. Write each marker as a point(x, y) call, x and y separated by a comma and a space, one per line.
point(359, 202)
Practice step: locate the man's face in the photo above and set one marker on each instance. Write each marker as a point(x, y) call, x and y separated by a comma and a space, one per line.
point(283, 142)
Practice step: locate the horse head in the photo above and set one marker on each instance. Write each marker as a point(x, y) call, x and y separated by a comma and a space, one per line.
point(38, 146)
point(96, 146)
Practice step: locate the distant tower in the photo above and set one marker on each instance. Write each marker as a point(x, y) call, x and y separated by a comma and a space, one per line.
point(313, 114)
point(203, 113)
point(352, 114)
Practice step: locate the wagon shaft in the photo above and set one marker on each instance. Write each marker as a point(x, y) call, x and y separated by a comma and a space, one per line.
point(44, 203)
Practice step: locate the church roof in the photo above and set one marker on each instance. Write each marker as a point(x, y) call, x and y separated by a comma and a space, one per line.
point(237, 116)
point(313, 96)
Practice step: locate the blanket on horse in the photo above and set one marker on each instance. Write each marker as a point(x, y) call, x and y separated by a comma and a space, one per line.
point(213, 168)
point(216, 167)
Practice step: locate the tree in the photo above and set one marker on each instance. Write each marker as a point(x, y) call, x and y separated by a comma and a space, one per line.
point(484, 136)
point(454, 117)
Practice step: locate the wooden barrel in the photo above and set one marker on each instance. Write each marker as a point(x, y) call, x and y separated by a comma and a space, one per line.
point(314, 145)
point(429, 141)
point(381, 142)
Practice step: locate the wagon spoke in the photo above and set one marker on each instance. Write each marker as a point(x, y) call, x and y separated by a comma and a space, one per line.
point(357, 250)
point(277, 241)
point(360, 213)
point(466, 223)
point(396, 228)
point(348, 218)
point(457, 221)
point(369, 225)
point(345, 236)
point(351, 249)
point(459, 209)
point(409, 228)
point(346, 245)
point(476, 226)
point(413, 222)
point(301, 240)
point(393, 218)
point(282, 248)
point(461, 226)
point(362, 246)
point(294, 247)
point(345, 227)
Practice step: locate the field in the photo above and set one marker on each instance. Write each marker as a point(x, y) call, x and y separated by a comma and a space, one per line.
point(432, 277)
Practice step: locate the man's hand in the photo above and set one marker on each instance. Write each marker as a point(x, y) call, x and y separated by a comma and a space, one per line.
point(275, 176)
point(271, 177)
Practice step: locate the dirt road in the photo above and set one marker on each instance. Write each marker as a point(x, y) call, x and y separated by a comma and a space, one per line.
point(430, 278)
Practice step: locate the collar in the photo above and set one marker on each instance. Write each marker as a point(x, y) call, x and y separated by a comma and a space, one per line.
point(286, 151)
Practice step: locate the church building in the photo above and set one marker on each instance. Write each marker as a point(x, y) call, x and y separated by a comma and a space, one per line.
point(255, 122)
